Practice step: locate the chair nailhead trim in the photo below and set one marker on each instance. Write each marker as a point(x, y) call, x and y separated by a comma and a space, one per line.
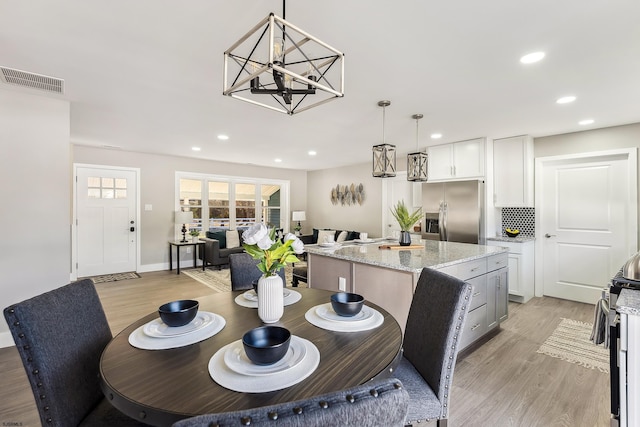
point(397, 386)
point(297, 410)
point(350, 398)
point(214, 425)
point(273, 415)
point(246, 421)
point(374, 392)
point(323, 404)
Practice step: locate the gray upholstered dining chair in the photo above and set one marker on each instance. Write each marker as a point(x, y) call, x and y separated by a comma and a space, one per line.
point(244, 271)
point(380, 403)
point(60, 336)
point(432, 335)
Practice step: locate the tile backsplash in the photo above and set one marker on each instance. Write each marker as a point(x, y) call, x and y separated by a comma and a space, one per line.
point(523, 219)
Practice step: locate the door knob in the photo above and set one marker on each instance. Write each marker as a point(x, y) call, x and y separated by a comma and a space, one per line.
point(549, 235)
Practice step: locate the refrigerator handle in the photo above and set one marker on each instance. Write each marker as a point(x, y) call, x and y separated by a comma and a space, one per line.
point(441, 231)
point(445, 215)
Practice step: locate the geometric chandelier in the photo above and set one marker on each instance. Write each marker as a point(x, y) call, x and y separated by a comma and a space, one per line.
point(417, 161)
point(277, 65)
point(384, 155)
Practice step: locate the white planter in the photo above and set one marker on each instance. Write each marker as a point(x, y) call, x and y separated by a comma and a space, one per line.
point(195, 239)
point(270, 298)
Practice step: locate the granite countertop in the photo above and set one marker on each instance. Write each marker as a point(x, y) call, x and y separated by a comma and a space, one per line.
point(434, 254)
point(517, 239)
point(628, 302)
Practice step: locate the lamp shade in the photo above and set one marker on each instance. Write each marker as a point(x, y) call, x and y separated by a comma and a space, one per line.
point(298, 216)
point(184, 217)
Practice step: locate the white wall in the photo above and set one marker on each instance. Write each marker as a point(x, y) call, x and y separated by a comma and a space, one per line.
point(157, 184)
point(35, 191)
point(321, 213)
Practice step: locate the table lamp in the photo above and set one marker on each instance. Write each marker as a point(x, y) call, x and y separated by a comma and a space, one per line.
point(298, 216)
point(184, 218)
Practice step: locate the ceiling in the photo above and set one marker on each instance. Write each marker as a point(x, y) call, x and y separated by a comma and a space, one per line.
point(146, 75)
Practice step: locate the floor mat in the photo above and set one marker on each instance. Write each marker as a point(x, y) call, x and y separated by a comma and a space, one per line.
point(115, 277)
point(570, 341)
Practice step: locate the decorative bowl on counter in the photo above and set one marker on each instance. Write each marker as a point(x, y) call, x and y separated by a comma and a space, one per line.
point(511, 232)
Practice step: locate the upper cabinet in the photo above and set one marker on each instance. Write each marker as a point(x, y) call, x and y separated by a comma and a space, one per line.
point(458, 160)
point(513, 172)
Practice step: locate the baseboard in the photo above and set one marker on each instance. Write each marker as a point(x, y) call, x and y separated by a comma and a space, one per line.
point(6, 340)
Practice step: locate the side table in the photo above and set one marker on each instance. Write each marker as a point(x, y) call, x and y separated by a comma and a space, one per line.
point(178, 244)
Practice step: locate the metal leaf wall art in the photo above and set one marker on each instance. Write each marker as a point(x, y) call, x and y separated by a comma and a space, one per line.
point(347, 195)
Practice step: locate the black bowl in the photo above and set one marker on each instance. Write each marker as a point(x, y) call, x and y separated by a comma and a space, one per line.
point(267, 344)
point(346, 304)
point(178, 313)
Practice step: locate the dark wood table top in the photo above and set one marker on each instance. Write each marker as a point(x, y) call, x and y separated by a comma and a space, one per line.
point(160, 387)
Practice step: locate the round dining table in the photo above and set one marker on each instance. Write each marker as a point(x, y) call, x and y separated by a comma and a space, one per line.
point(159, 387)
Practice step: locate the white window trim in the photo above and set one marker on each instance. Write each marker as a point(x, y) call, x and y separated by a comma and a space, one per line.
point(257, 181)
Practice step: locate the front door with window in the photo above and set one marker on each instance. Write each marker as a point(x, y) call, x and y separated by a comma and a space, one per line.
point(106, 225)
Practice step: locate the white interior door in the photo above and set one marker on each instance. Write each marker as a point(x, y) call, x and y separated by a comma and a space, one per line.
point(396, 189)
point(106, 221)
point(588, 222)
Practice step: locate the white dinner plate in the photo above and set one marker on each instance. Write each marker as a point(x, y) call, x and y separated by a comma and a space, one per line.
point(236, 359)
point(325, 311)
point(251, 295)
point(362, 241)
point(158, 329)
point(223, 375)
point(141, 340)
point(327, 245)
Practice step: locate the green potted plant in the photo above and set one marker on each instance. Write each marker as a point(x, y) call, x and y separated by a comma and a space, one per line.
point(194, 234)
point(405, 221)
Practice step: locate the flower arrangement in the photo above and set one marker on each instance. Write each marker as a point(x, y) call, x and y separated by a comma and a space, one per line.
point(261, 243)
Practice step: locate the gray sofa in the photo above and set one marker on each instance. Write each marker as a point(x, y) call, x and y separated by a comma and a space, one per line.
point(216, 248)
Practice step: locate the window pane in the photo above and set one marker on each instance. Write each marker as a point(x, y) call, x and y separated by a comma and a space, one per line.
point(271, 217)
point(107, 193)
point(190, 192)
point(121, 183)
point(245, 204)
point(93, 181)
point(107, 182)
point(218, 193)
point(121, 194)
point(270, 197)
point(93, 193)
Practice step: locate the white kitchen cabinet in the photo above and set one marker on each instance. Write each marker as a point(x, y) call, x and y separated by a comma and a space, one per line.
point(629, 361)
point(458, 160)
point(513, 172)
point(521, 268)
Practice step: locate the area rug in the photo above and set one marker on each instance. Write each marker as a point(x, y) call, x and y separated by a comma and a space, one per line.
point(220, 280)
point(571, 342)
point(114, 277)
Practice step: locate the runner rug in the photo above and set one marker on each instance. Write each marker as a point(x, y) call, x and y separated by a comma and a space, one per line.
point(570, 341)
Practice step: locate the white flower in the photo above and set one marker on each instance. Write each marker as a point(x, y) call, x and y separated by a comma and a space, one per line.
point(290, 236)
point(265, 243)
point(255, 233)
point(297, 246)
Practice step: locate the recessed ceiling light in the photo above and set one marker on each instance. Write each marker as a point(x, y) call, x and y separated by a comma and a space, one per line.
point(566, 99)
point(585, 122)
point(278, 160)
point(223, 137)
point(312, 153)
point(530, 58)
point(436, 135)
point(196, 148)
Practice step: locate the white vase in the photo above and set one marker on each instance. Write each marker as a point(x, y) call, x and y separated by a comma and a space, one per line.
point(195, 239)
point(270, 298)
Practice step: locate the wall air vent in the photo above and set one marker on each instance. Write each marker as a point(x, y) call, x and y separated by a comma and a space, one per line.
point(31, 80)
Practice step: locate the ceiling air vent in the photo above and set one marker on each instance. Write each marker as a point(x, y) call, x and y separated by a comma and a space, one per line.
point(31, 80)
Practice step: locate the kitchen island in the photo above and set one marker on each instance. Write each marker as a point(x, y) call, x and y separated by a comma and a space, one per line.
point(388, 277)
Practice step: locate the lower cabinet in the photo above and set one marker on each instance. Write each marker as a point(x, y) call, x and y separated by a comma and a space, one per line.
point(489, 300)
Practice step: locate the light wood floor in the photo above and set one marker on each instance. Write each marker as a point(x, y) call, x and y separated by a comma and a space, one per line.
point(504, 382)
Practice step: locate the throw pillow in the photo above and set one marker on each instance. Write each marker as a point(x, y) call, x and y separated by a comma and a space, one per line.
point(324, 235)
point(233, 239)
point(342, 236)
point(220, 236)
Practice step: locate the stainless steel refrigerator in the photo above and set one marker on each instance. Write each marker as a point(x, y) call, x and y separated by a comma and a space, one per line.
point(454, 211)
